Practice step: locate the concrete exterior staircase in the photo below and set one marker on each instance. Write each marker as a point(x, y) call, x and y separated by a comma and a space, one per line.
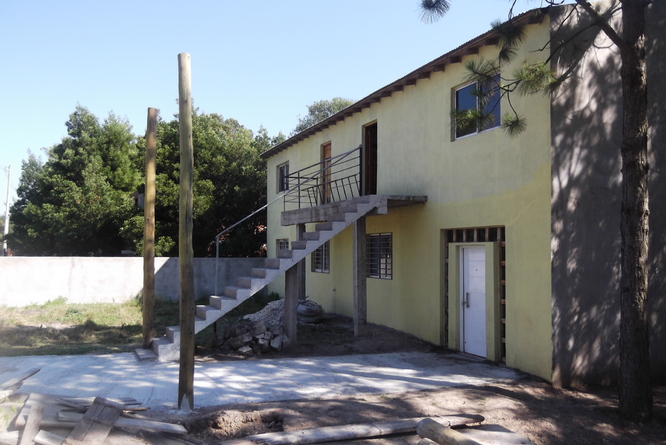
point(168, 347)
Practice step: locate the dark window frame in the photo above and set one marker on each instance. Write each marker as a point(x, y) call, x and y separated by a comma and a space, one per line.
point(283, 177)
point(467, 95)
point(320, 259)
point(379, 255)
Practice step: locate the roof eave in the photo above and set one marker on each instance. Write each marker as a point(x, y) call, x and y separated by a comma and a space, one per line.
point(424, 72)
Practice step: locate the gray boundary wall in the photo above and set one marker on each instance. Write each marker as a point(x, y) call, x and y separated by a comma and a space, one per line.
point(36, 280)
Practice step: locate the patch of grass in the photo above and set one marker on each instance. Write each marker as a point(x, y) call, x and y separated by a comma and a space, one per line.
point(60, 328)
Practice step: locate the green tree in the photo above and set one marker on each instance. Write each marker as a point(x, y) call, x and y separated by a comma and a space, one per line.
point(319, 111)
point(635, 381)
point(76, 202)
point(229, 183)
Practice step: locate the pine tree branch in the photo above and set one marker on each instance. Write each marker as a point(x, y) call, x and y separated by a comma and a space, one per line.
point(605, 26)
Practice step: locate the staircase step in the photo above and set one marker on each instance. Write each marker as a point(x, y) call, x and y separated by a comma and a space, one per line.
point(299, 245)
point(259, 272)
point(338, 217)
point(311, 236)
point(208, 313)
point(250, 282)
point(272, 263)
point(285, 253)
point(173, 334)
point(223, 302)
point(145, 354)
point(351, 208)
point(330, 226)
point(166, 350)
point(237, 292)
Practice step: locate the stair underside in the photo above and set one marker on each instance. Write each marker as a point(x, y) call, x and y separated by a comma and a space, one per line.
point(167, 348)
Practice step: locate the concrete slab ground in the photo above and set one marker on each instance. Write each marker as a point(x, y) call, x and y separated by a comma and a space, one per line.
point(155, 384)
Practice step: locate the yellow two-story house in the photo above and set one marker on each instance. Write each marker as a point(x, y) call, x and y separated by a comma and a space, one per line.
point(504, 247)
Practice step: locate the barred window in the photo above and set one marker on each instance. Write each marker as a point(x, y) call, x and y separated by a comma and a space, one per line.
point(321, 259)
point(380, 255)
point(282, 244)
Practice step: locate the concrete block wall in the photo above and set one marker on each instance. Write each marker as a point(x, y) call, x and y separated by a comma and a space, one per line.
point(36, 280)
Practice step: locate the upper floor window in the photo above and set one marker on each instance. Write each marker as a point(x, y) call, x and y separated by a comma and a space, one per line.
point(283, 177)
point(477, 107)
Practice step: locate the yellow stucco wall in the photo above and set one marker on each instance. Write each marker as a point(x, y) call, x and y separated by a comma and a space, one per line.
point(487, 179)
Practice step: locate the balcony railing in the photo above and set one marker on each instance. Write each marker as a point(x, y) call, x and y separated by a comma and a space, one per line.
point(332, 180)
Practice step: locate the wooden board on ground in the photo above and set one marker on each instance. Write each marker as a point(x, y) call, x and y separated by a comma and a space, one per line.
point(494, 435)
point(354, 431)
point(50, 414)
point(129, 422)
point(7, 388)
point(96, 423)
point(32, 425)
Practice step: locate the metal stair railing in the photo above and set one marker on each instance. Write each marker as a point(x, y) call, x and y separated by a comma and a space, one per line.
point(303, 176)
point(331, 180)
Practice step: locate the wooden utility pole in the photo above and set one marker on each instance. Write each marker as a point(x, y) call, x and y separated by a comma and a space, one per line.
point(149, 230)
point(185, 251)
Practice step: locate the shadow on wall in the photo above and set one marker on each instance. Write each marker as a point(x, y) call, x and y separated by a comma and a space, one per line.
point(586, 200)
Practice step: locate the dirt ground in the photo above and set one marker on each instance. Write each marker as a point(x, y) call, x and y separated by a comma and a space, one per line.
point(531, 407)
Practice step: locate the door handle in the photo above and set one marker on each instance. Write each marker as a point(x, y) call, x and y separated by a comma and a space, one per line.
point(466, 299)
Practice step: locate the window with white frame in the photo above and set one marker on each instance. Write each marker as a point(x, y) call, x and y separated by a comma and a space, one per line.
point(283, 177)
point(379, 255)
point(320, 259)
point(477, 107)
point(282, 244)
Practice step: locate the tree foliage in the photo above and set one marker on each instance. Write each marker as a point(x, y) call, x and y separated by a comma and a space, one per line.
point(635, 386)
point(81, 201)
point(76, 202)
point(229, 183)
point(320, 110)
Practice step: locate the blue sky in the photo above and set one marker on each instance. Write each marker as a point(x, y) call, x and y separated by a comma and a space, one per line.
point(258, 62)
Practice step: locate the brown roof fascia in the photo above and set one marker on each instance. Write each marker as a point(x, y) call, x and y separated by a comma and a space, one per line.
point(454, 56)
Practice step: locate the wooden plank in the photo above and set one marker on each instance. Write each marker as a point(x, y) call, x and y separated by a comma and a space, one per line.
point(86, 402)
point(354, 431)
point(129, 422)
point(442, 434)
point(15, 383)
point(49, 417)
point(32, 425)
point(46, 438)
point(96, 424)
point(9, 437)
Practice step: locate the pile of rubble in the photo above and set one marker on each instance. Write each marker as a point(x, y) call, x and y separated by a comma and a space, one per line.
point(253, 337)
point(263, 331)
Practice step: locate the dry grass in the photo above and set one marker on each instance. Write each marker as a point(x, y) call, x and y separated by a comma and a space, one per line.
point(58, 328)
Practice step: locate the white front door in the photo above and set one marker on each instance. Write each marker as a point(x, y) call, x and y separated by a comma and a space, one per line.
point(473, 301)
